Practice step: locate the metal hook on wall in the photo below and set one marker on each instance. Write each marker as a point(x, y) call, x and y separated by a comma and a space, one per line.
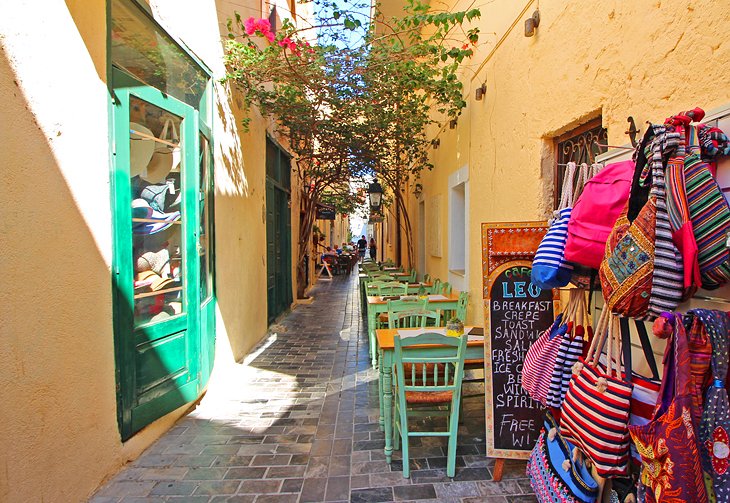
point(632, 131)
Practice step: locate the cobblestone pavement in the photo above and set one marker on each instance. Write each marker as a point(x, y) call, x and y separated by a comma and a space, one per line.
point(298, 422)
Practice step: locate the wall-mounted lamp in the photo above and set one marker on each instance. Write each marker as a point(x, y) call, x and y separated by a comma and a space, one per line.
point(418, 190)
point(452, 124)
point(435, 143)
point(375, 191)
point(531, 23)
point(480, 92)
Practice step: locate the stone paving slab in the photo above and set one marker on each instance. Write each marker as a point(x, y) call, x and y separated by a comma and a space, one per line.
point(298, 422)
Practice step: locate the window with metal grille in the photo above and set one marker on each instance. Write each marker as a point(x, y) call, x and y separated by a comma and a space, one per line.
point(578, 145)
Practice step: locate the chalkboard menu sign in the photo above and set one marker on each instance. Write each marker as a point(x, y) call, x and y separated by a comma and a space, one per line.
point(516, 312)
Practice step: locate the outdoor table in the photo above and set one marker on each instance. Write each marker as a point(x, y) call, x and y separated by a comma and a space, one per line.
point(412, 288)
point(378, 304)
point(474, 351)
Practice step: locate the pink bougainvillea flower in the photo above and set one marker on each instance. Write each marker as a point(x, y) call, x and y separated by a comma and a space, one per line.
point(292, 46)
point(250, 26)
point(284, 42)
point(270, 36)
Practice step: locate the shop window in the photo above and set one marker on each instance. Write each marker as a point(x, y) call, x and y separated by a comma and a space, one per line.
point(157, 212)
point(146, 52)
point(578, 145)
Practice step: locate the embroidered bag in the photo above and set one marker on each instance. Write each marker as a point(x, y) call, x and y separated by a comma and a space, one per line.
point(549, 268)
point(554, 476)
point(540, 359)
point(671, 468)
point(715, 425)
point(641, 273)
point(595, 212)
point(596, 408)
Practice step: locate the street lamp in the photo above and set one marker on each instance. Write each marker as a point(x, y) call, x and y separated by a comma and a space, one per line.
point(376, 195)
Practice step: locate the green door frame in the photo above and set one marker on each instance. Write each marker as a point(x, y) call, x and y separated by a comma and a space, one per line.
point(131, 342)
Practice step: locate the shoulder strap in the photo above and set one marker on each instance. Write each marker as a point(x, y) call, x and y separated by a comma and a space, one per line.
point(639, 194)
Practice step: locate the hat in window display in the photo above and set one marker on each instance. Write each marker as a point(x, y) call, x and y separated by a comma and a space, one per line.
point(141, 148)
point(165, 157)
point(155, 261)
point(155, 221)
point(149, 280)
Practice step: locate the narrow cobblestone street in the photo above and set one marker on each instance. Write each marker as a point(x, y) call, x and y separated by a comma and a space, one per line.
point(298, 422)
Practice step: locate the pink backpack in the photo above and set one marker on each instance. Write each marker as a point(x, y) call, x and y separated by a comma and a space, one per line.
point(595, 212)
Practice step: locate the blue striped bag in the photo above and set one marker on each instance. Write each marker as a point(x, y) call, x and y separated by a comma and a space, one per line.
point(549, 268)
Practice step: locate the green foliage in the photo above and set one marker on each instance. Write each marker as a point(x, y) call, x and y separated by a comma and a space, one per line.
point(360, 100)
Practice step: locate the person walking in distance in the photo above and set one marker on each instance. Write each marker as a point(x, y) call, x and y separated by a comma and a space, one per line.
point(362, 246)
point(373, 249)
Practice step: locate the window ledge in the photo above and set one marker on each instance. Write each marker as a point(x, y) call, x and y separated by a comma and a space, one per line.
point(458, 272)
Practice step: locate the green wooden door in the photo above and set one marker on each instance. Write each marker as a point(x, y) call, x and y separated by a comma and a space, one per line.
point(278, 231)
point(156, 263)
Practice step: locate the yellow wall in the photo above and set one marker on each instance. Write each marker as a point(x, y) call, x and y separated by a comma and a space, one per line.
point(588, 58)
point(58, 429)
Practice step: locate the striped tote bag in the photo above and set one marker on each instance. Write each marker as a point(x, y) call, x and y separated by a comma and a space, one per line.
point(596, 408)
point(710, 215)
point(549, 268)
point(540, 360)
point(570, 350)
point(667, 281)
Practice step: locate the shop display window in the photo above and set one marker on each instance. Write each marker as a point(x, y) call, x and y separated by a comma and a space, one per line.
point(157, 212)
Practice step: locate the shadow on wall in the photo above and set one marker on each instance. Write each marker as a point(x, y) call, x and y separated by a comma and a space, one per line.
point(59, 436)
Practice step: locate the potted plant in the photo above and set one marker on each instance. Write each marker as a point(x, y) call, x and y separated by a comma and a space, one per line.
point(454, 327)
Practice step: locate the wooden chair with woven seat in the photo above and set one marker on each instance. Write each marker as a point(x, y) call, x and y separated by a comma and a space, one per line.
point(416, 386)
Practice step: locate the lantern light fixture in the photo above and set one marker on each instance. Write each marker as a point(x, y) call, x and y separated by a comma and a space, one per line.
point(375, 191)
point(480, 92)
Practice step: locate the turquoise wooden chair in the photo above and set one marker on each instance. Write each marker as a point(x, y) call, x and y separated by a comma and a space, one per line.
point(445, 288)
point(392, 288)
point(426, 278)
point(413, 276)
point(461, 306)
point(436, 288)
point(413, 318)
point(426, 379)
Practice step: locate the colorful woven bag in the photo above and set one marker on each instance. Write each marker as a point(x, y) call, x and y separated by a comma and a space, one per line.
point(554, 476)
point(596, 408)
point(670, 459)
point(710, 215)
point(714, 433)
point(641, 273)
point(549, 268)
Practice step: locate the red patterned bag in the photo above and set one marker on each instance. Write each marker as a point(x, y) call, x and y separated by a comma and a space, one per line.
point(668, 444)
point(596, 408)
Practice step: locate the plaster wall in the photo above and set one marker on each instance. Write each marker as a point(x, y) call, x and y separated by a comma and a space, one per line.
point(58, 429)
point(587, 59)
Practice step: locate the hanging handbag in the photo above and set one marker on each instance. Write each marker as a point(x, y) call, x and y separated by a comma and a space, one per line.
point(549, 268)
point(554, 476)
point(570, 350)
point(595, 212)
point(540, 358)
point(671, 468)
point(710, 215)
point(596, 408)
point(641, 273)
point(678, 211)
point(714, 432)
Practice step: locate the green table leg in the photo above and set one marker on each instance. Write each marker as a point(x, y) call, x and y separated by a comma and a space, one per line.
point(372, 317)
point(387, 394)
